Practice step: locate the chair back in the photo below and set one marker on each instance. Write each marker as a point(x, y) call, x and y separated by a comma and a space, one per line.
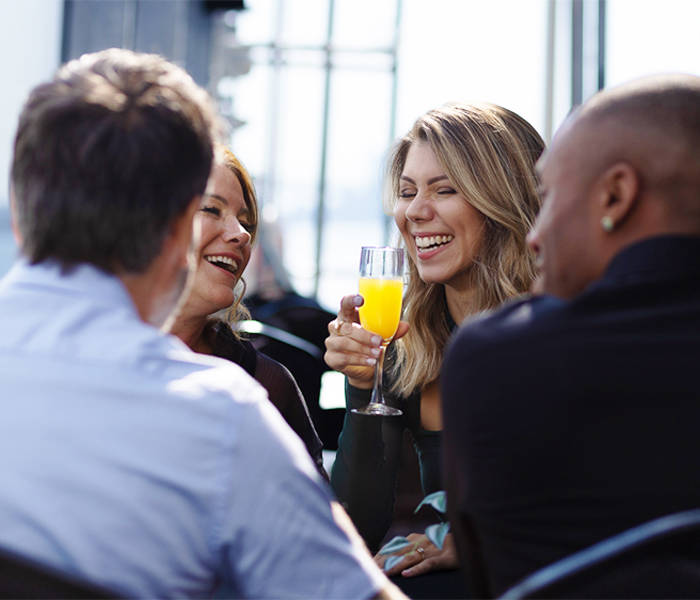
point(658, 559)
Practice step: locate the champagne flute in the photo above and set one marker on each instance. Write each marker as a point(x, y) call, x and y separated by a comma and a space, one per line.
point(381, 286)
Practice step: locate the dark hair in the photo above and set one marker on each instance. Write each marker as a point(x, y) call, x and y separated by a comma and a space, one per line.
point(107, 155)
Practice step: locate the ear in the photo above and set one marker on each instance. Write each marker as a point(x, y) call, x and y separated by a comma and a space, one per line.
point(13, 218)
point(619, 192)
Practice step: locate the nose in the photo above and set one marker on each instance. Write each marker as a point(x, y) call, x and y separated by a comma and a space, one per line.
point(235, 233)
point(419, 209)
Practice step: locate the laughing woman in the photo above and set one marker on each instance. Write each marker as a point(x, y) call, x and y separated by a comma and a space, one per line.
point(463, 198)
point(229, 221)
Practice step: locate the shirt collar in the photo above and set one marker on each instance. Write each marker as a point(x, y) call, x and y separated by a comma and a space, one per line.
point(83, 279)
point(662, 257)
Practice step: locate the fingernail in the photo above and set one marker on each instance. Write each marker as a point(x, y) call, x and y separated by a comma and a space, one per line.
point(376, 340)
point(357, 300)
point(375, 351)
point(406, 571)
point(371, 361)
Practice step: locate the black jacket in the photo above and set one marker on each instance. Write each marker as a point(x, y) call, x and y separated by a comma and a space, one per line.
point(568, 421)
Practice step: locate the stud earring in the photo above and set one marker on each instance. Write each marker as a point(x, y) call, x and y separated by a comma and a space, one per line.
point(607, 224)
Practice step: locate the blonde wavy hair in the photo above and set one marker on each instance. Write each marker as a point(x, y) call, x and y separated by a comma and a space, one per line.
point(489, 154)
point(224, 157)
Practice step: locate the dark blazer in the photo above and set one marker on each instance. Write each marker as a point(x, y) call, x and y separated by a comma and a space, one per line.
point(568, 421)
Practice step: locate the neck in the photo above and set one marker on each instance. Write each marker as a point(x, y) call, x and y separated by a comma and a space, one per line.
point(154, 301)
point(460, 302)
point(190, 329)
point(158, 291)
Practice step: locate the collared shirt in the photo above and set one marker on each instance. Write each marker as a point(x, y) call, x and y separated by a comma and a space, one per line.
point(157, 472)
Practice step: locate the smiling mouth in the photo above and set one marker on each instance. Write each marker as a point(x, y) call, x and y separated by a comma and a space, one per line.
point(430, 242)
point(223, 262)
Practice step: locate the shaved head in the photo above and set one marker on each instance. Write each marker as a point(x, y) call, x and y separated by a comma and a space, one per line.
point(623, 167)
point(654, 125)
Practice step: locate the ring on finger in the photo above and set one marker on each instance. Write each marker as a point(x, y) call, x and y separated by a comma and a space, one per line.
point(421, 552)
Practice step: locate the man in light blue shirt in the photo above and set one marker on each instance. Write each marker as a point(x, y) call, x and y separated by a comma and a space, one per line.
point(127, 459)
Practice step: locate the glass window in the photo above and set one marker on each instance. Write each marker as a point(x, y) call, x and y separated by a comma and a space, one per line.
point(448, 50)
point(364, 24)
point(359, 136)
point(649, 37)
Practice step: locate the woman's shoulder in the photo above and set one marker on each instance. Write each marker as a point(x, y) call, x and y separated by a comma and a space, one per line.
point(269, 367)
point(225, 344)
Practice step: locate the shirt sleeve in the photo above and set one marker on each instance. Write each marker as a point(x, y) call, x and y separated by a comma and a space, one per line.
point(366, 466)
point(279, 537)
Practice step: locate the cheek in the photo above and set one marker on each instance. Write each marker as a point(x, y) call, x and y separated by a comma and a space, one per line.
point(246, 258)
point(207, 233)
point(473, 225)
point(400, 217)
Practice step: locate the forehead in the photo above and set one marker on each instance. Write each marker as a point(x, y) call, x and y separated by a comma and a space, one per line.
point(224, 184)
point(420, 158)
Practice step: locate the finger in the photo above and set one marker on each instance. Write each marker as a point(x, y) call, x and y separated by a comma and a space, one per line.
point(359, 342)
point(423, 567)
point(409, 560)
point(340, 361)
point(348, 308)
point(401, 330)
point(342, 330)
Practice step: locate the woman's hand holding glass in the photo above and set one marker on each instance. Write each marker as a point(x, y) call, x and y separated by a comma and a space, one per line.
point(378, 309)
point(351, 349)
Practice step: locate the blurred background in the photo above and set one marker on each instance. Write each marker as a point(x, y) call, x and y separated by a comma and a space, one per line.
point(315, 91)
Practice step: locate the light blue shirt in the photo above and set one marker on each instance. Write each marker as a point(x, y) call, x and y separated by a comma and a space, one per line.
point(132, 461)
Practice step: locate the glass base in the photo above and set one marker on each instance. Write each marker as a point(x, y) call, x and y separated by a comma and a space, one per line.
point(374, 408)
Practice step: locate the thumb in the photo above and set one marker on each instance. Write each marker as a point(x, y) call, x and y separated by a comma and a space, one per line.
point(402, 329)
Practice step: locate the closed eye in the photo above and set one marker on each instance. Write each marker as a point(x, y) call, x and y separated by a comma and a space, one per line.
point(212, 210)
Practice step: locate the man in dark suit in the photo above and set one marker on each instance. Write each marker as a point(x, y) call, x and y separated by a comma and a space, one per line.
point(574, 415)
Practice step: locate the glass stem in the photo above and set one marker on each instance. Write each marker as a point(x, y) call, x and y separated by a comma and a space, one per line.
point(377, 396)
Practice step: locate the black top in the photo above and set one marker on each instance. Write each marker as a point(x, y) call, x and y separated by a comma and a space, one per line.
point(566, 422)
point(275, 378)
point(304, 318)
point(369, 450)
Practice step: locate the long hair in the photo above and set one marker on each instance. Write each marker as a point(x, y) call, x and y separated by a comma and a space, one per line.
point(489, 154)
point(224, 157)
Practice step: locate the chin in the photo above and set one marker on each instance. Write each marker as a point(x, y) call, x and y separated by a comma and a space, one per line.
point(434, 276)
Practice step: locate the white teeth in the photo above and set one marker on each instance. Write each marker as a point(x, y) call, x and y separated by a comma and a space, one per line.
point(223, 259)
point(432, 240)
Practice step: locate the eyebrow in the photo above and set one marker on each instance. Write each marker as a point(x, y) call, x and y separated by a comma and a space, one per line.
point(430, 181)
point(217, 197)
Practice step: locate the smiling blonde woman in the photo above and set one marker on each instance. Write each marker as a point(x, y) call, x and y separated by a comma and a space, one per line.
point(463, 195)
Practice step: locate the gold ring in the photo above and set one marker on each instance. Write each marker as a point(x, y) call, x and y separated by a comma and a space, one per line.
point(421, 552)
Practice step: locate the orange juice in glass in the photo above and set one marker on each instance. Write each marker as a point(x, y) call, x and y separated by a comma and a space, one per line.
point(381, 286)
point(381, 311)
